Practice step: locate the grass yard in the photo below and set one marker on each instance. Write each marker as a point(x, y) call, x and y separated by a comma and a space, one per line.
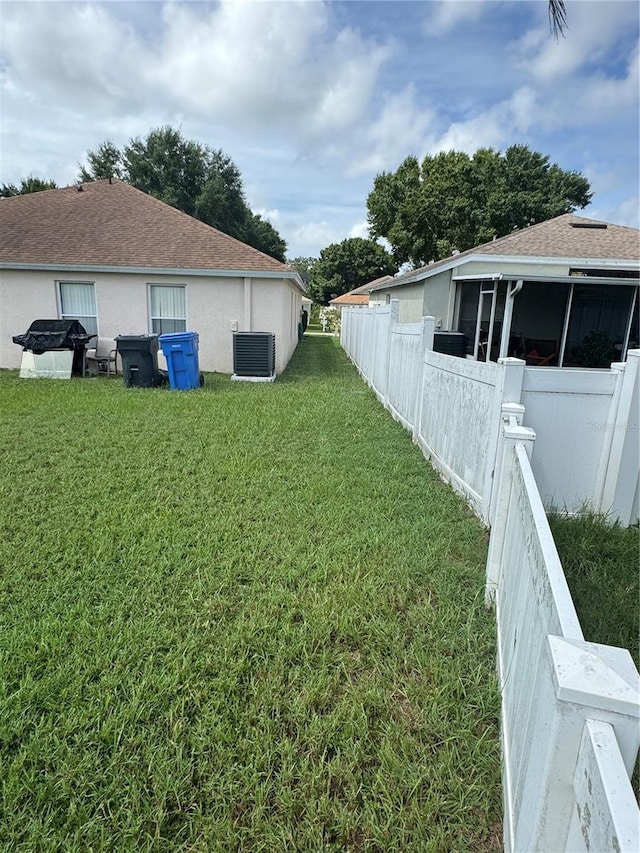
point(601, 564)
point(242, 618)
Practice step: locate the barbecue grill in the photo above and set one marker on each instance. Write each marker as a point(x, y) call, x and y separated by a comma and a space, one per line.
point(46, 335)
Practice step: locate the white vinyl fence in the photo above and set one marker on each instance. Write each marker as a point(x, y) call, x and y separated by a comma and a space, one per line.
point(570, 722)
point(586, 421)
point(570, 709)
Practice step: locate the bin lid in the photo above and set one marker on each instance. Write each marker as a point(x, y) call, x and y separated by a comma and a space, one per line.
point(178, 336)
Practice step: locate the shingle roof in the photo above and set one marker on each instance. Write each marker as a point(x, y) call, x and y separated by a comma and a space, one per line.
point(114, 224)
point(555, 238)
point(365, 288)
point(351, 298)
point(569, 236)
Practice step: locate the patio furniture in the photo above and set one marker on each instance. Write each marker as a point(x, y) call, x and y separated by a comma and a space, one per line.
point(101, 357)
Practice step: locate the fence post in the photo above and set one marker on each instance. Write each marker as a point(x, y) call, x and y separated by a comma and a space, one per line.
point(510, 435)
point(601, 787)
point(428, 331)
point(508, 390)
point(394, 317)
point(620, 461)
point(344, 330)
point(513, 379)
point(589, 681)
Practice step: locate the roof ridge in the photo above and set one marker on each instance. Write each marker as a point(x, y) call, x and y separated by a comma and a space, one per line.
point(112, 223)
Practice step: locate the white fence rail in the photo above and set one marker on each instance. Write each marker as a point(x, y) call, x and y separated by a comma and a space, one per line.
point(570, 708)
point(586, 421)
point(558, 691)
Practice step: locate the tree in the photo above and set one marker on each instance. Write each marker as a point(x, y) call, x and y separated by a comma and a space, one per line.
point(27, 185)
point(201, 181)
point(105, 162)
point(261, 234)
point(453, 201)
point(344, 266)
point(304, 266)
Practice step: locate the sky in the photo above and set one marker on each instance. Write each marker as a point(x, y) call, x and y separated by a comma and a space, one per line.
point(313, 99)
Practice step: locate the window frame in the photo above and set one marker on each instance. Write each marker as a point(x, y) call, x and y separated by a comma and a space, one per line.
point(80, 317)
point(151, 317)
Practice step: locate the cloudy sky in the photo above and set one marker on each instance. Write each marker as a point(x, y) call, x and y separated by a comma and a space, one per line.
point(312, 99)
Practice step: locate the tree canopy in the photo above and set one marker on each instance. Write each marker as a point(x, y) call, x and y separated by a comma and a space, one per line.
point(454, 201)
point(344, 266)
point(27, 185)
point(202, 181)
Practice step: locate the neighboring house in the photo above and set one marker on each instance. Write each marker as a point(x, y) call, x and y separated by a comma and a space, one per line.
point(122, 262)
point(359, 295)
point(560, 293)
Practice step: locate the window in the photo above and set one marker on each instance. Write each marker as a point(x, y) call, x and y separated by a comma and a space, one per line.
point(167, 309)
point(78, 302)
point(599, 324)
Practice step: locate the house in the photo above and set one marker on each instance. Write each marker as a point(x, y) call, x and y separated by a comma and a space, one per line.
point(122, 262)
point(359, 295)
point(560, 293)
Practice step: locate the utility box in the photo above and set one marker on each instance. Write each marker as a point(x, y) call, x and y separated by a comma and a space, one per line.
point(254, 354)
point(450, 343)
point(139, 355)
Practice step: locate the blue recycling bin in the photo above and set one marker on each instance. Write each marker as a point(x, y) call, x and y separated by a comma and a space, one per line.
point(181, 352)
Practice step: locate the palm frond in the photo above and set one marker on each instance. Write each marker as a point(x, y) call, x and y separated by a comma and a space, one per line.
point(557, 18)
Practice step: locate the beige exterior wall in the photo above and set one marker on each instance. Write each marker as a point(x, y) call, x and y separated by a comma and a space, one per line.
point(512, 270)
point(215, 306)
point(438, 296)
point(409, 296)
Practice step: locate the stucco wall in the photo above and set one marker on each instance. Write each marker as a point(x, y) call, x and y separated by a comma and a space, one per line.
point(409, 296)
point(438, 299)
point(512, 270)
point(214, 307)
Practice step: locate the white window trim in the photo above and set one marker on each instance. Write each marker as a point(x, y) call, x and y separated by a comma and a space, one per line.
point(59, 282)
point(150, 318)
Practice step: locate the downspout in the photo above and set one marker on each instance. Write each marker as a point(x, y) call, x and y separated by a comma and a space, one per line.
point(512, 291)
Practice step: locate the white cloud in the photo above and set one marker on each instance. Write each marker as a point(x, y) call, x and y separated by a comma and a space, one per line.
point(77, 54)
point(305, 239)
point(400, 128)
point(275, 64)
point(594, 28)
point(447, 14)
point(487, 130)
point(360, 229)
point(272, 216)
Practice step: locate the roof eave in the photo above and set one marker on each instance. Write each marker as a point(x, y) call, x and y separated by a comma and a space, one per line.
point(182, 271)
point(425, 272)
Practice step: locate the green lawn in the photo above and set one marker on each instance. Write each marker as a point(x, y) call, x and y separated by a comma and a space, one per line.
point(241, 618)
point(602, 568)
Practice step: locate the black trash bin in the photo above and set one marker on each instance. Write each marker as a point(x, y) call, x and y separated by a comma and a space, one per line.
point(139, 354)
